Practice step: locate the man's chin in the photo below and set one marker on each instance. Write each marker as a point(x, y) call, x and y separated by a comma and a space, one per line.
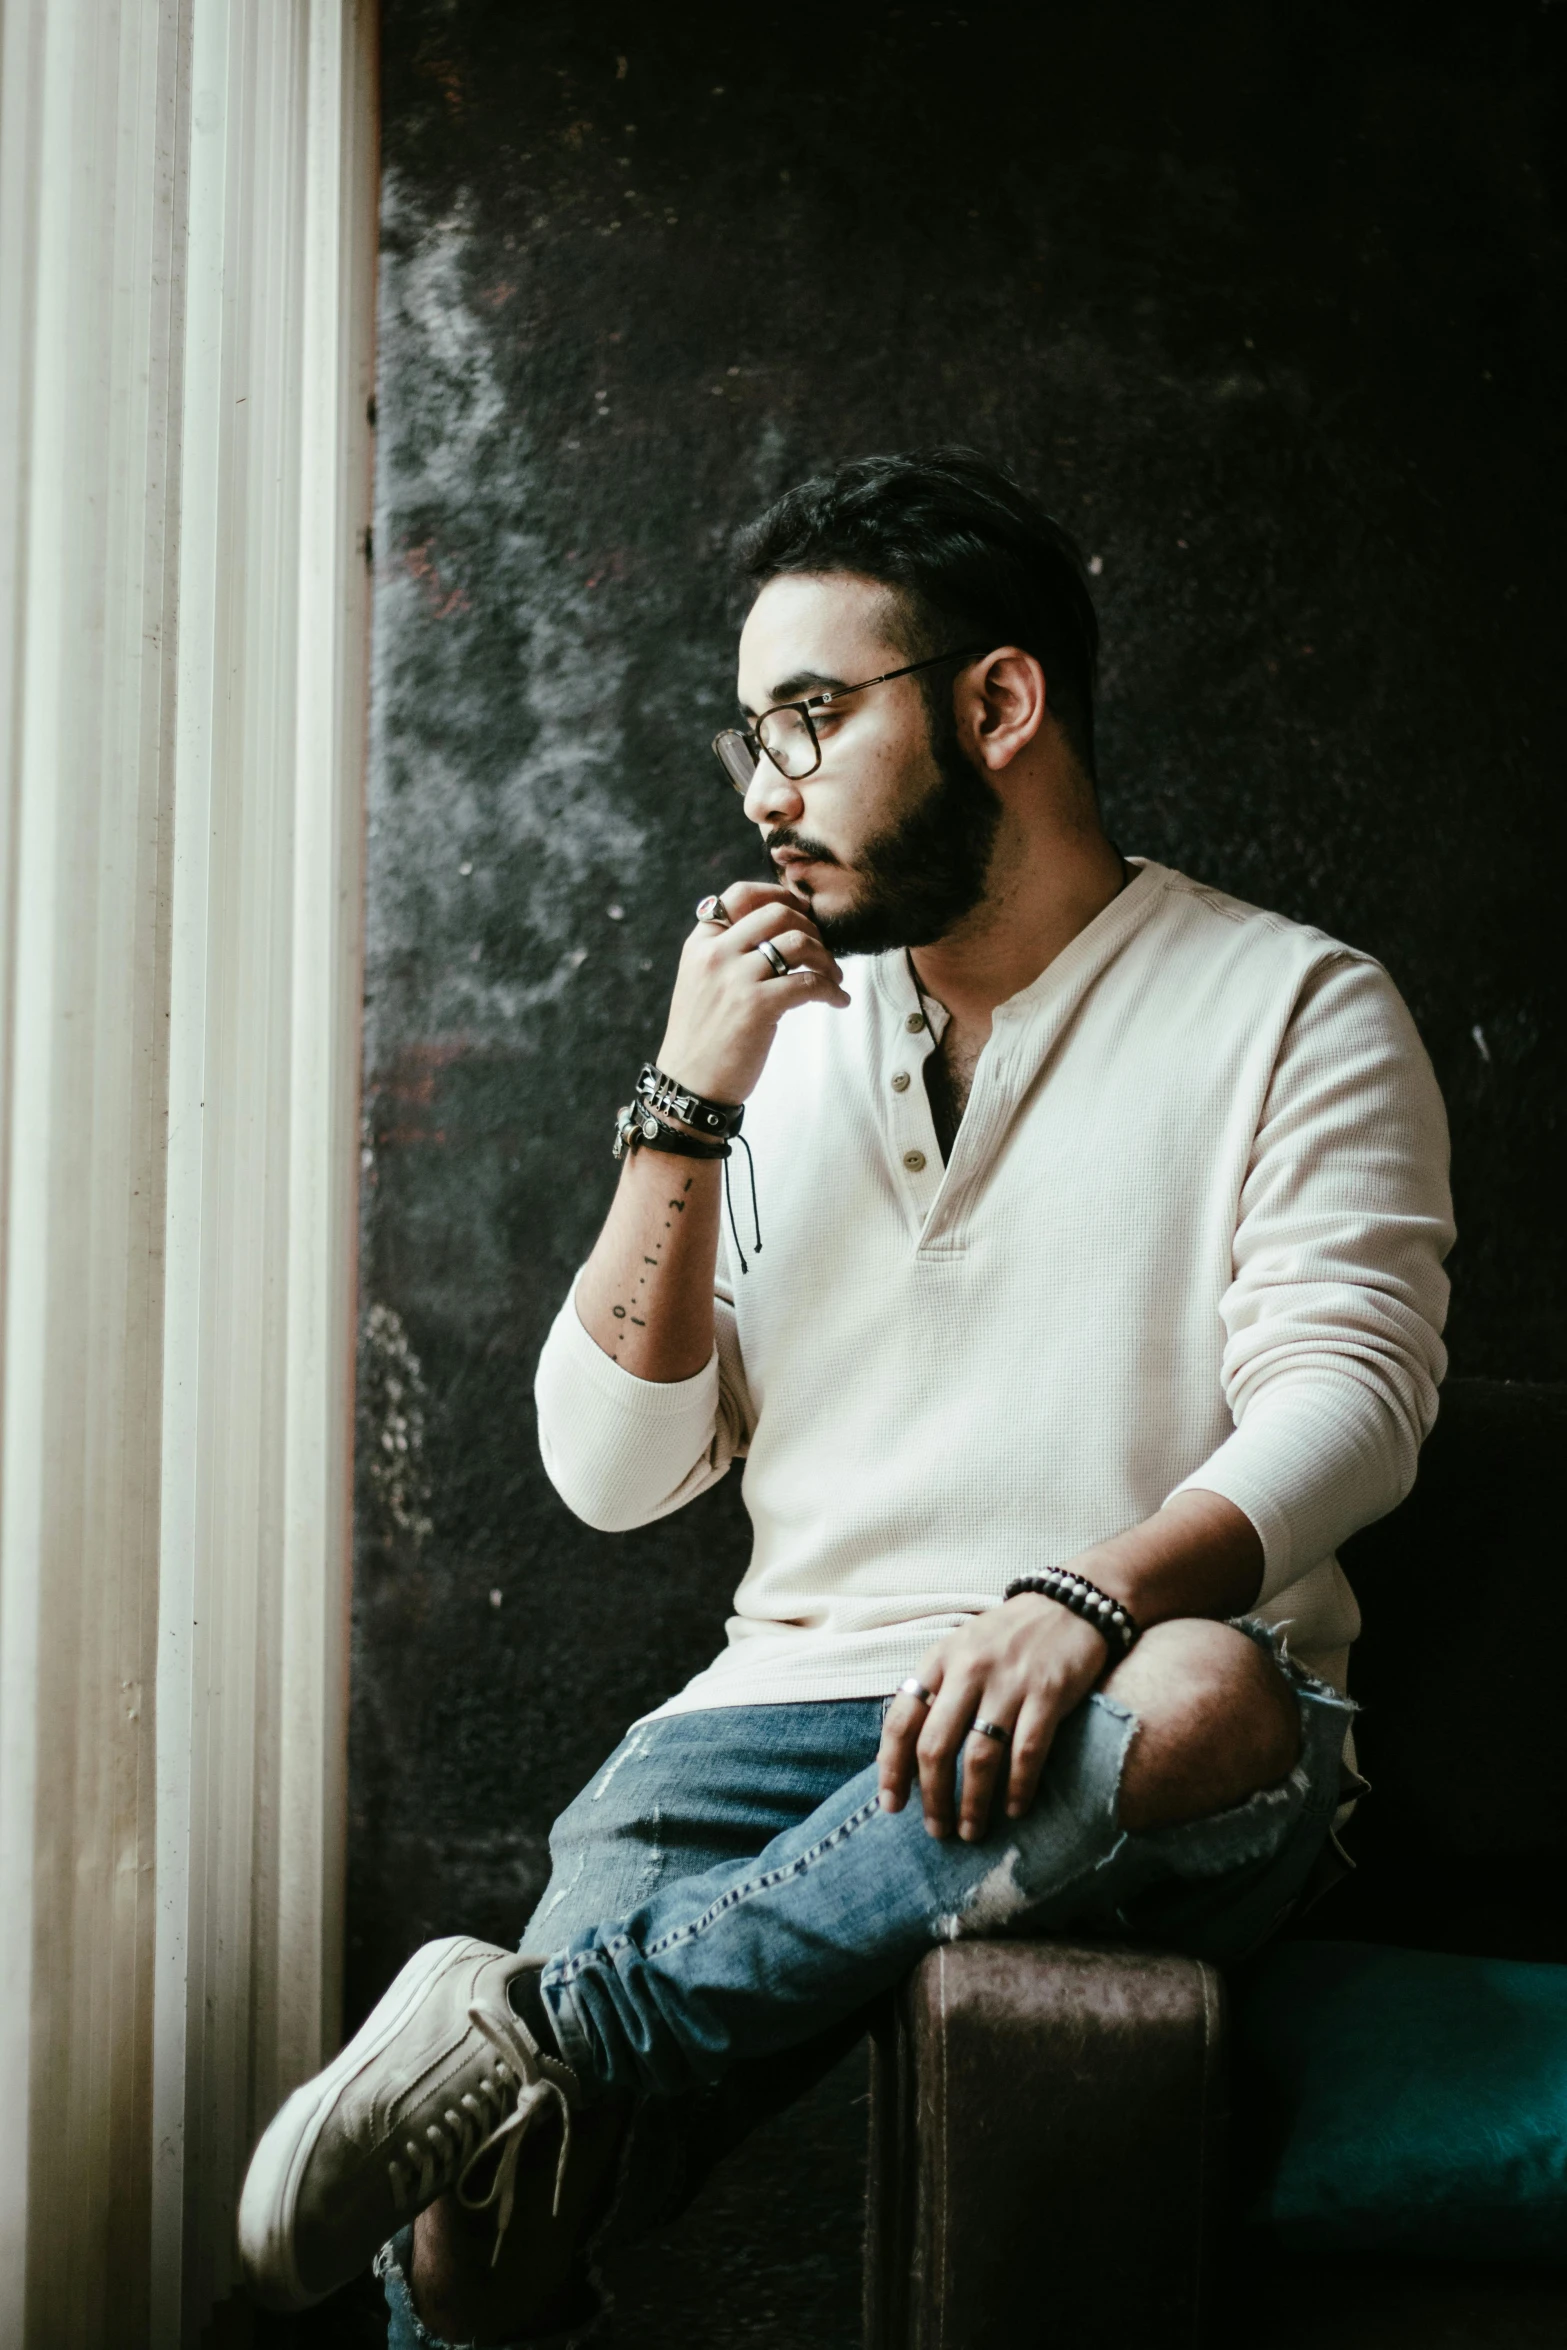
point(856, 930)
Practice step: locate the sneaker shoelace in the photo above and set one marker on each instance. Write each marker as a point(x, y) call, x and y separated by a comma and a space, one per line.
point(498, 2112)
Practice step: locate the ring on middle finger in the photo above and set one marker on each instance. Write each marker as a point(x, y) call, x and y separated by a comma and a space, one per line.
point(769, 954)
point(1002, 1737)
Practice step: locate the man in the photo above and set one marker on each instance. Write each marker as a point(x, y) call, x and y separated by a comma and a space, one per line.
point(1104, 1220)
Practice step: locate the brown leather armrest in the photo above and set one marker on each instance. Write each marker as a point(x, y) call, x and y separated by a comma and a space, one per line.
point(1046, 2142)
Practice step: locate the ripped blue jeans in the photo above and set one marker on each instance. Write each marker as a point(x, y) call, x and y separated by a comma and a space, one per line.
point(728, 1886)
point(727, 1898)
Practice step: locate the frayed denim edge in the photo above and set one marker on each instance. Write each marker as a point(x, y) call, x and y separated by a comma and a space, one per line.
point(391, 2267)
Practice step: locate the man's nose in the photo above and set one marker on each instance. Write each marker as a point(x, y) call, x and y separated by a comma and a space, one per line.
point(771, 798)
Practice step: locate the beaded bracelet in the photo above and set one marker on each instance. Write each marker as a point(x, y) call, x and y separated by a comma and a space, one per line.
point(666, 1094)
point(1119, 1627)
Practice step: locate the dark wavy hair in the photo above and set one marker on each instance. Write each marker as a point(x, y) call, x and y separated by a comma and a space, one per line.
point(970, 559)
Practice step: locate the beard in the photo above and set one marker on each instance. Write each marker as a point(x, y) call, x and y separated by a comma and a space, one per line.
point(922, 874)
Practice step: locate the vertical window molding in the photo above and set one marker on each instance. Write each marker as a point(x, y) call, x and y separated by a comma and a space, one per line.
point(263, 1145)
point(187, 215)
point(90, 231)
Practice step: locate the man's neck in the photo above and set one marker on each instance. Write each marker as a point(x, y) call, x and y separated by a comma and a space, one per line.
point(1045, 891)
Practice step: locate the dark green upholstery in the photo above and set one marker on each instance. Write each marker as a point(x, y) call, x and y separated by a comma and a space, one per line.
point(1401, 2071)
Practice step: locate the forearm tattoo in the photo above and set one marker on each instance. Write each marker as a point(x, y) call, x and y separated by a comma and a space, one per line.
point(629, 1316)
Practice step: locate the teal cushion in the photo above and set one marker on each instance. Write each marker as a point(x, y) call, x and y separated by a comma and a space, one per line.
point(1409, 2101)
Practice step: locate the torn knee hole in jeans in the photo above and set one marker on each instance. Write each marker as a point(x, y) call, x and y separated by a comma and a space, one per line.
point(999, 1900)
point(992, 1904)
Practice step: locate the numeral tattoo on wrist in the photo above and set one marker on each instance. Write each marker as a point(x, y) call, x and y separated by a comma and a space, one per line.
point(650, 1265)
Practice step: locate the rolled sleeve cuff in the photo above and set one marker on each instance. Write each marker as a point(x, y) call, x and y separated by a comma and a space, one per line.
point(620, 1450)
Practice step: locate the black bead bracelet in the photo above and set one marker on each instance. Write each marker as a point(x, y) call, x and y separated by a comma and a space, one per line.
point(1119, 1627)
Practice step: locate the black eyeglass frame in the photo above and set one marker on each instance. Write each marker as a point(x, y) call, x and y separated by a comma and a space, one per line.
point(837, 693)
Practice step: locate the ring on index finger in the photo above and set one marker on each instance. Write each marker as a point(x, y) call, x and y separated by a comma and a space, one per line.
point(715, 911)
point(916, 1688)
point(1002, 1737)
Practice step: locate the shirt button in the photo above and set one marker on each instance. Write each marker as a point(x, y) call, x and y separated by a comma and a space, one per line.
point(914, 1023)
point(914, 1161)
point(900, 1083)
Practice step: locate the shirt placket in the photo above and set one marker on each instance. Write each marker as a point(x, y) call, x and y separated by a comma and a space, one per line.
point(940, 1196)
point(916, 1152)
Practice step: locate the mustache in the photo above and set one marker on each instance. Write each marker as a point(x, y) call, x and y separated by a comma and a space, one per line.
point(803, 845)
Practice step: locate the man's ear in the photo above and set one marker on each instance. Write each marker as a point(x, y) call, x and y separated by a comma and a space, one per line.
point(1001, 705)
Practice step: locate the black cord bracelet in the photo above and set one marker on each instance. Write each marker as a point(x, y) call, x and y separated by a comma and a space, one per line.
point(1071, 1590)
point(666, 1094)
point(639, 1128)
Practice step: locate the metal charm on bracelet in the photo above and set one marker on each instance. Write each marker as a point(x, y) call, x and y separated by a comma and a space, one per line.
point(769, 954)
point(705, 1131)
point(636, 1126)
point(668, 1099)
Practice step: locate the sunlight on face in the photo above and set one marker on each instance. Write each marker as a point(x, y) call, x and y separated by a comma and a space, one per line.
point(891, 838)
point(806, 634)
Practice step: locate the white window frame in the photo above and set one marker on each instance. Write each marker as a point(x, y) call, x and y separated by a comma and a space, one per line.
point(187, 234)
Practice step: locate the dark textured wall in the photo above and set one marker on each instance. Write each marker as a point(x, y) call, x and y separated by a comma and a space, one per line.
point(1265, 300)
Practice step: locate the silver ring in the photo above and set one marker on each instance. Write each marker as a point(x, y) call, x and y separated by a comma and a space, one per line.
point(993, 1730)
point(715, 911)
point(913, 1688)
point(769, 954)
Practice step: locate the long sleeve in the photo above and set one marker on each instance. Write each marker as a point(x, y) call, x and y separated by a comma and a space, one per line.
point(1332, 1320)
point(621, 1451)
point(1192, 1233)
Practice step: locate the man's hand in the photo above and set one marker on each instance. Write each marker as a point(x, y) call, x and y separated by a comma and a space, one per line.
point(727, 1001)
point(645, 1296)
point(1024, 1666)
point(1028, 1664)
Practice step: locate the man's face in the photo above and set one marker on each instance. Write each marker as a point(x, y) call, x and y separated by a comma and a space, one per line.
point(890, 840)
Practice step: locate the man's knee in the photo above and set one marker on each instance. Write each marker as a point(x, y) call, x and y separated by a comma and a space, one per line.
point(1217, 1720)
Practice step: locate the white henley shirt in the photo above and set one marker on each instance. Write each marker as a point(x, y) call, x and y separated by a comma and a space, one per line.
point(1191, 1235)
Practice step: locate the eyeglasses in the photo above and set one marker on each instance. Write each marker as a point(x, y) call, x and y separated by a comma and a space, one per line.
point(788, 735)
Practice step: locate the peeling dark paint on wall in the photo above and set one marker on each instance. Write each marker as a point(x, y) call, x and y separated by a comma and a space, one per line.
point(1265, 302)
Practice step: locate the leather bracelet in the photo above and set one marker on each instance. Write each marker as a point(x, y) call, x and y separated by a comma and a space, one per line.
point(666, 1094)
point(1069, 1589)
point(637, 1128)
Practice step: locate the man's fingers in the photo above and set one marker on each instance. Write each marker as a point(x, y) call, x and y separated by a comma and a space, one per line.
point(785, 929)
point(811, 964)
point(799, 946)
point(938, 1746)
point(743, 897)
point(806, 962)
point(984, 1768)
point(1032, 1738)
point(802, 950)
point(899, 1736)
point(767, 921)
point(904, 1720)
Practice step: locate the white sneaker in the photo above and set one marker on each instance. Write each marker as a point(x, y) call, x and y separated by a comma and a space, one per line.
point(442, 2074)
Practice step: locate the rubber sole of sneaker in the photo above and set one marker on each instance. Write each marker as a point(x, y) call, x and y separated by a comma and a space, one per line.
point(268, 2201)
